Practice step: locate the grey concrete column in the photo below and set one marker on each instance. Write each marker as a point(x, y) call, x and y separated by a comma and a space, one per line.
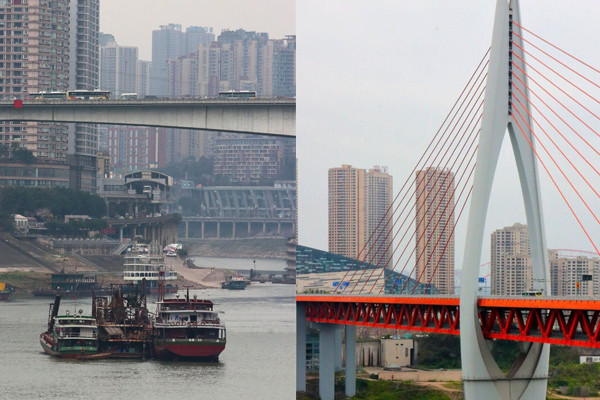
point(350, 351)
point(249, 228)
point(264, 228)
point(187, 230)
point(233, 231)
point(121, 233)
point(300, 347)
point(218, 229)
point(339, 329)
point(279, 228)
point(202, 234)
point(326, 361)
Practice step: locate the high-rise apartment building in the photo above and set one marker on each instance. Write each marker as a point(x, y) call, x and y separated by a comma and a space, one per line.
point(45, 46)
point(360, 219)
point(251, 160)
point(118, 69)
point(239, 60)
point(284, 68)
point(84, 60)
point(574, 274)
point(510, 267)
point(169, 43)
point(435, 228)
point(142, 86)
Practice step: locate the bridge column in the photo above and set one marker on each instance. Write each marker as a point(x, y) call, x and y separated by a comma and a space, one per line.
point(233, 230)
point(121, 233)
point(300, 348)
point(326, 361)
point(339, 330)
point(218, 229)
point(249, 228)
point(187, 230)
point(279, 228)
point(350, 351)
point(202, 233)
point(264, 228)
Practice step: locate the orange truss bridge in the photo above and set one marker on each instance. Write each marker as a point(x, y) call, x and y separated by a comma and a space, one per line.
point(563, 321)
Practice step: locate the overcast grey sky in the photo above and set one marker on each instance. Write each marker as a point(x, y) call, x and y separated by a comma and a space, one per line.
point(376, 79)
point(132, 21)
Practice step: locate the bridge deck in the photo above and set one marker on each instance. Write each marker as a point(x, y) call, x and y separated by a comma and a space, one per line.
point(572, 321)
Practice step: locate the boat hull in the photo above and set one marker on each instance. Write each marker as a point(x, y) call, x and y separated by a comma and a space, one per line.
point(76, 353)
point(205, 349)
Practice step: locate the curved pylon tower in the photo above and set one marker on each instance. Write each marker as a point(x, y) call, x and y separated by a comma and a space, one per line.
point(482, 378)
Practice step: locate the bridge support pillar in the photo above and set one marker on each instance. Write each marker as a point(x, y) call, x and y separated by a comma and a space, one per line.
point(202, 233)
point(233, 230)
point(327, 361)
point(121, 234)
point(264, 228)
point(339, 330)
point(187, 230)
point(300, 348)
point(350, 351)
point(218, 229)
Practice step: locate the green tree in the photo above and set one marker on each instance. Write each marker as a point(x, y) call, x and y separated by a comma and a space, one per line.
point(24, 155)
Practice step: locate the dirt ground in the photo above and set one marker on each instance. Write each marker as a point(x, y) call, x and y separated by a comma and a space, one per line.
point(416, 375)
point(202, 278)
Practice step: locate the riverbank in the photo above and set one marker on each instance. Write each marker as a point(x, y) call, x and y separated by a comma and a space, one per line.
point(242, 248)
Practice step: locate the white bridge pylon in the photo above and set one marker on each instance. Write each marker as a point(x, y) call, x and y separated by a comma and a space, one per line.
point(482, 378)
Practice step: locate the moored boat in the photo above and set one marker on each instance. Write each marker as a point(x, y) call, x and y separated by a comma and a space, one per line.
point(146, 263)
point(124, 326)
point(5, 291)
point(188, 329)
point(70, 335)
point(234, 282)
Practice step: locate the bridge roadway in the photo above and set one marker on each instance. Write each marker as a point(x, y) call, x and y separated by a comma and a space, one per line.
point(570, 321)
point(258, 116)
point(566, 321)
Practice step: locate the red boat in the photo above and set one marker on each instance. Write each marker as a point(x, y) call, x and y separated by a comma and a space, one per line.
point(188, 329)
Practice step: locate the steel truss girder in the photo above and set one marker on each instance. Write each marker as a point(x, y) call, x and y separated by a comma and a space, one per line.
point(555, 321)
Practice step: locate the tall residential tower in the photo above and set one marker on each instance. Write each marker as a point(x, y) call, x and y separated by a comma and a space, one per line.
point(360, 219)
point(435, 228)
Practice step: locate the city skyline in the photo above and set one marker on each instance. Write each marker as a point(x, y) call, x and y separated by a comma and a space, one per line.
point(392, 95)
point(278, 21)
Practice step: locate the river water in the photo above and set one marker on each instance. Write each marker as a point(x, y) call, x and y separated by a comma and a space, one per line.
point(258, 362)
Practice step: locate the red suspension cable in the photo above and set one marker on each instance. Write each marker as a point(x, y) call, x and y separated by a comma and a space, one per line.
point(432, 152)
point(554, 143)
point(573, 147)
point(447, 148)
point(557, 48)
point(558, 115)
point(557, 187)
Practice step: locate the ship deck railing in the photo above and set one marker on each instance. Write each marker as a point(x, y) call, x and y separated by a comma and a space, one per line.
point(186, 324)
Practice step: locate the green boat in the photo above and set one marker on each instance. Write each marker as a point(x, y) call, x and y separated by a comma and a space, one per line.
point(70, 335)
point(234, 282)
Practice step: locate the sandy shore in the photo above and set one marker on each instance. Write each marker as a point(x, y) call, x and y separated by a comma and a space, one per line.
point(202, 278)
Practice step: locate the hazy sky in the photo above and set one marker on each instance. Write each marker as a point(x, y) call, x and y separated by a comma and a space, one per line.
point(132, 21)
point(376, 79)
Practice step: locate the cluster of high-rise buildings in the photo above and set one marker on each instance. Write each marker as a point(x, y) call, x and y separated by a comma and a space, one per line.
point(361, 221)
point(571, 272)
point(193, 63)
point(361, 224)
point(49, 46)
point(55, 45)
